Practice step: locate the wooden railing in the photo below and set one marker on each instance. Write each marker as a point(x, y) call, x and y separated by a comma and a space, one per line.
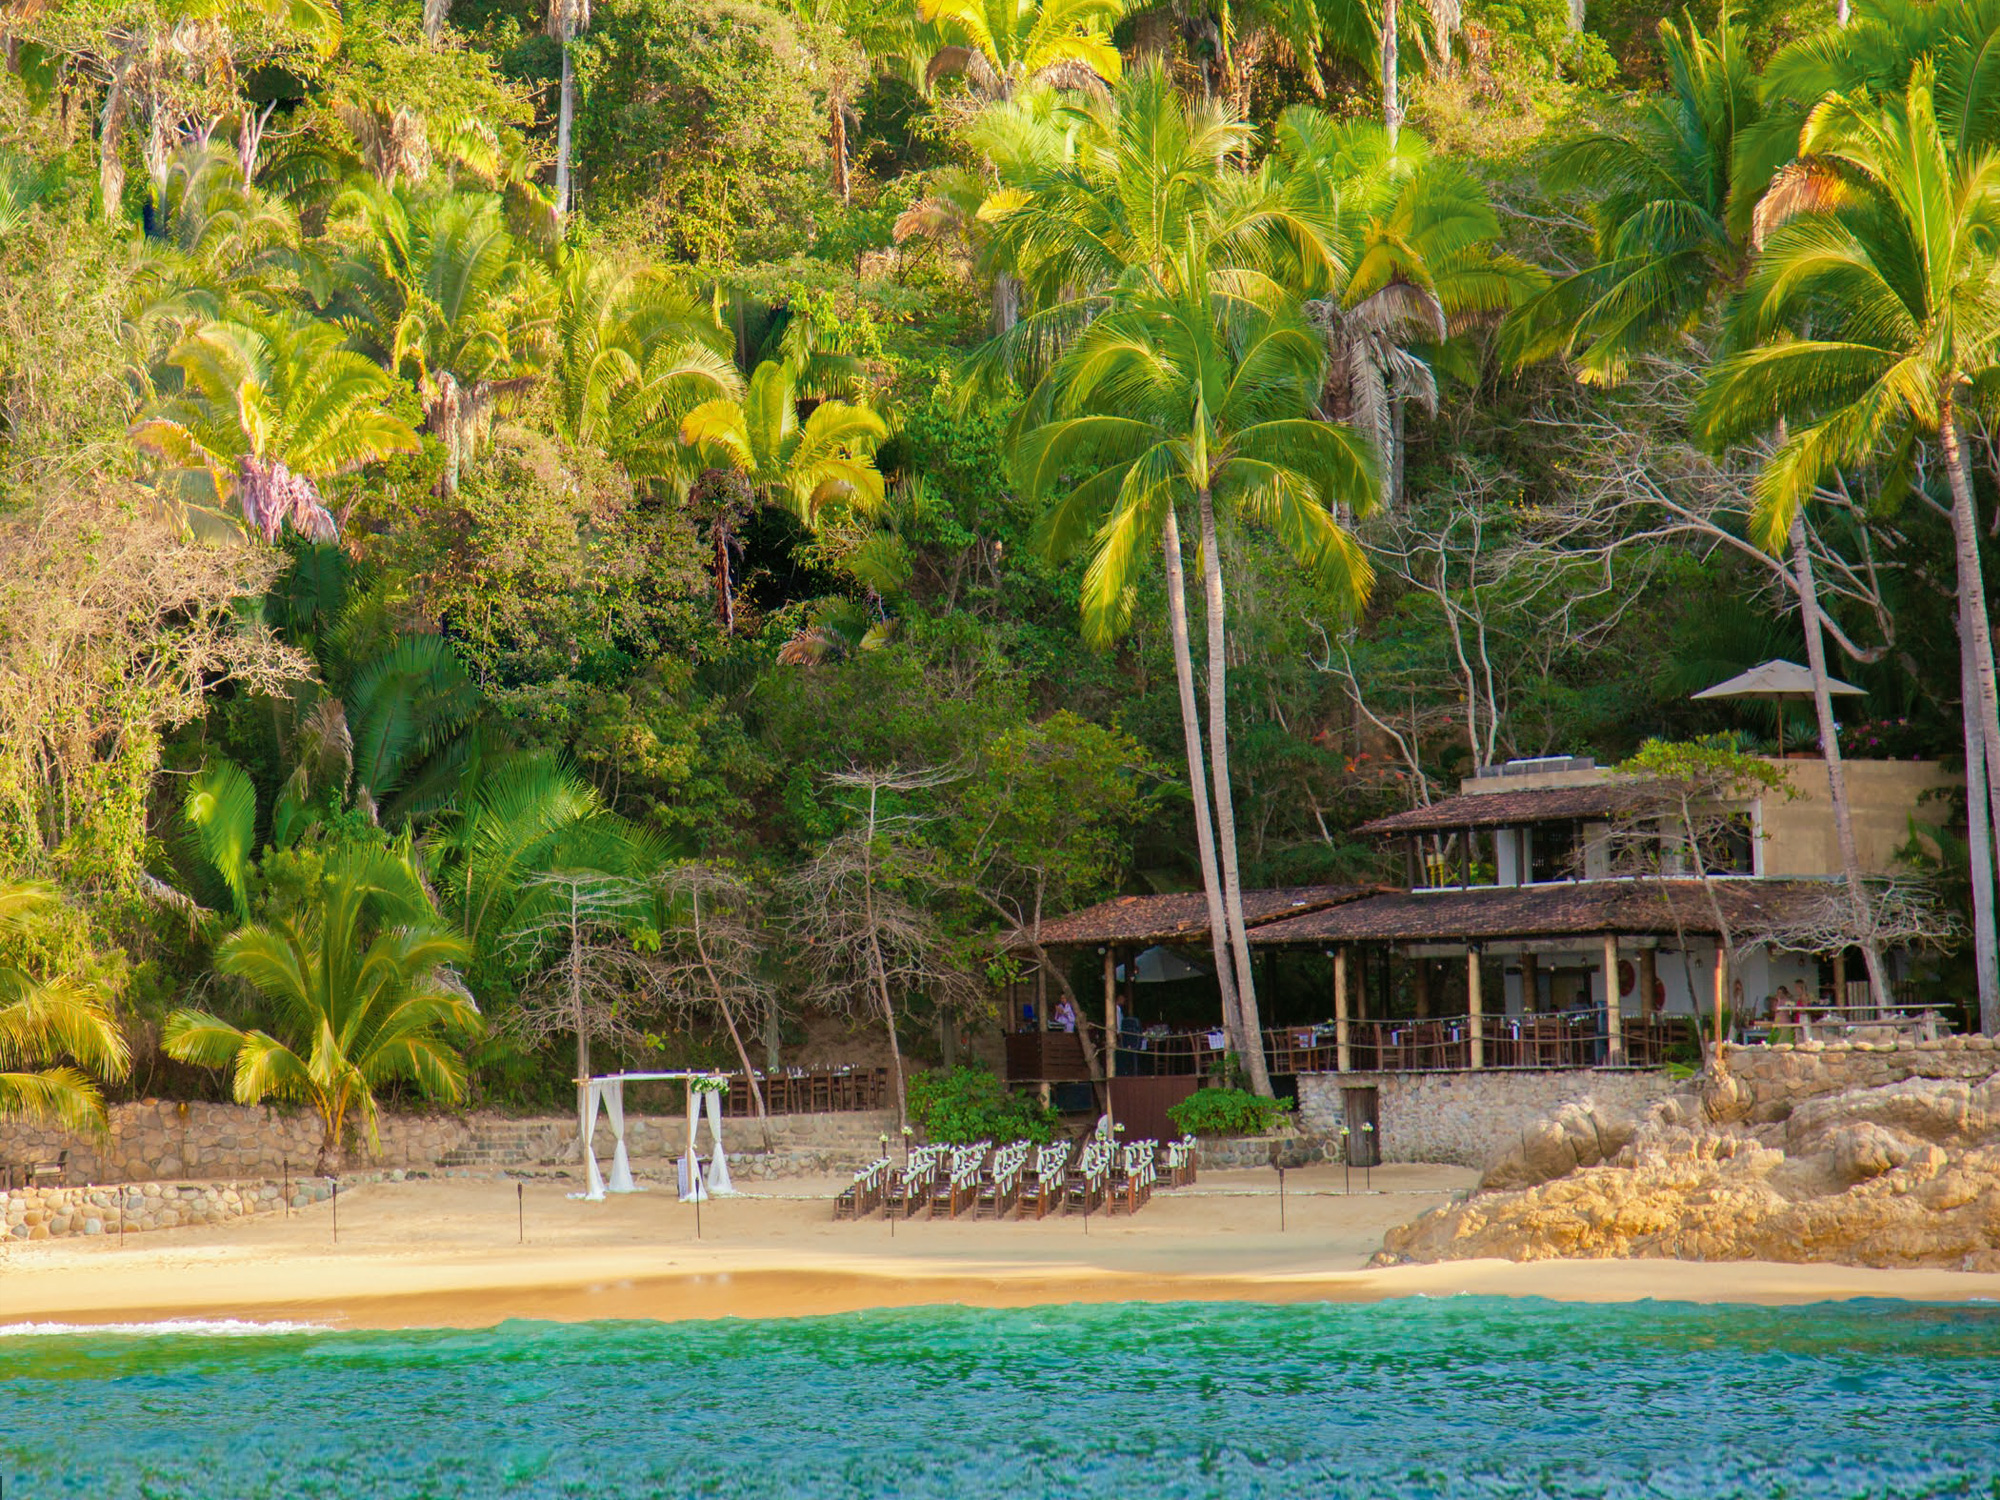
point(1568, 1039)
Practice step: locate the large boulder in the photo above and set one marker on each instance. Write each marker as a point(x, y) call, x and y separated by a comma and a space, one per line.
point(1579, 1134)
point(1904, 1173)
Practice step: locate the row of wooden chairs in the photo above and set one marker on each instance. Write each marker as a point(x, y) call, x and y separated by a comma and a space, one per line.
point(865, 1194)
point(1017, 1178)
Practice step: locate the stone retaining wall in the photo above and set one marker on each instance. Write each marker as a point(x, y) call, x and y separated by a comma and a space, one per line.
point(53, 1212)
point(1463, 1119)
point(1232, 1152)
point(157, 1139)
point(1780, 1077)
point(1466, 1119)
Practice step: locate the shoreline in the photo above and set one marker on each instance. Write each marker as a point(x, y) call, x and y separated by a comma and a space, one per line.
point(445, 1254)
point(711, 1296)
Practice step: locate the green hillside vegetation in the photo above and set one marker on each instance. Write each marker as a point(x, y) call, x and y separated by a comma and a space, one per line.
point(491, 493)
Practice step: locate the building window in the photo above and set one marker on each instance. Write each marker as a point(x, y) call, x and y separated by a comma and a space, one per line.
point(1555, 852)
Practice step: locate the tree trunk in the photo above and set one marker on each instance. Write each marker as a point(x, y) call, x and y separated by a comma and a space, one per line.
point(1225, 801)
point(1392, 104)
point(1979, 850)
point(895, 1045)
point(836, 135)
point(1982, 712)
point(1211, 882)
point(110, 164)
point(565, 118)
point(749, 1073)
point(1836, 771)
point(583, 1099)
point(435, 13)
point(1006, 301)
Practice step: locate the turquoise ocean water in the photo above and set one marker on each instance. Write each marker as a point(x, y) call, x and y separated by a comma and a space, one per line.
point(1472, 1397)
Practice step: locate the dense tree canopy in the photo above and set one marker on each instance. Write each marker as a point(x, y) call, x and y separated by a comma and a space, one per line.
point(1136, 444)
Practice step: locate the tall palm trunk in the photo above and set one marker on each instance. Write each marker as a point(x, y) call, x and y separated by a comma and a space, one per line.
point(1979, 849)
point(1006, 301)
point(1204, 828)
point(1836, 771)
point(1982, 707)
point(1392, 104)
point(836, 134)
point(565, 118)
point(1225, 801)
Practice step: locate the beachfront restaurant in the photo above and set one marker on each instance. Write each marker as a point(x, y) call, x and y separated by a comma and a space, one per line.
point(1516, 942)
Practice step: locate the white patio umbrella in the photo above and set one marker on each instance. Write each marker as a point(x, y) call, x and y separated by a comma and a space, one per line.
point(1777, 680)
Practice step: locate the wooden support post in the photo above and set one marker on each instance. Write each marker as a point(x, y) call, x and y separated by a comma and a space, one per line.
point(1422, 985)
point(1531, 984)
point(1472, 1008)
point(1840, 981)
point(1614, 1018)
point(1110, 1022)
point(1343, 1052)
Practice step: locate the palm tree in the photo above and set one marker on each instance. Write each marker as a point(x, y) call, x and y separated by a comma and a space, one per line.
point(760, 450)
point(1415, 258)
point(1019, 140)
point(442, 293)
point(364, 994)
point(43, 1020)
point(270, 406)
point(1183, 397)
point(1867, 321)
point(525, 816)
point(1663, 242)
point(999, 45)
point(24, 183)
point(1873, 53)
point(635, 351)
point(1150, 174)
point(1669, 235)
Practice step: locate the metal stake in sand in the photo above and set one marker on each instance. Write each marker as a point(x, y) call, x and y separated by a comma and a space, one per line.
point(521, 1209)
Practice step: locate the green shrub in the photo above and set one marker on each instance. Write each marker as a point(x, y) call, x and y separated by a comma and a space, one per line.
point(970, 1104)
point(1226, 1112)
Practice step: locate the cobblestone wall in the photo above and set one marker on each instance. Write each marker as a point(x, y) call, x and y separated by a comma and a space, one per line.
point(1777, 1078)
point(155, 1140)
point(52, 1212)
point(1464, 1118)
point(1467, 1118)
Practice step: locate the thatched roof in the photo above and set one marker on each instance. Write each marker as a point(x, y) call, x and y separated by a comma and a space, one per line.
point(1528, 805)
point(1588, 908)
point(1182, 917)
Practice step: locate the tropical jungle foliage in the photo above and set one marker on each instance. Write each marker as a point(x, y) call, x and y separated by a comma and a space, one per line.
point(478, 479)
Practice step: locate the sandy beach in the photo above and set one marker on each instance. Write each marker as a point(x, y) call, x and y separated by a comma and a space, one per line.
point(450, 1253)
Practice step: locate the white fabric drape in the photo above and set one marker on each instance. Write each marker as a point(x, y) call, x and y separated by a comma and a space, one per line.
point(593, 1179)
point(621, 1164)
point(719, 1185)
point(697, 1190)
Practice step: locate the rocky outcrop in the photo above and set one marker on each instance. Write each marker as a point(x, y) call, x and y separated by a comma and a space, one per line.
point(1782, 1160)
